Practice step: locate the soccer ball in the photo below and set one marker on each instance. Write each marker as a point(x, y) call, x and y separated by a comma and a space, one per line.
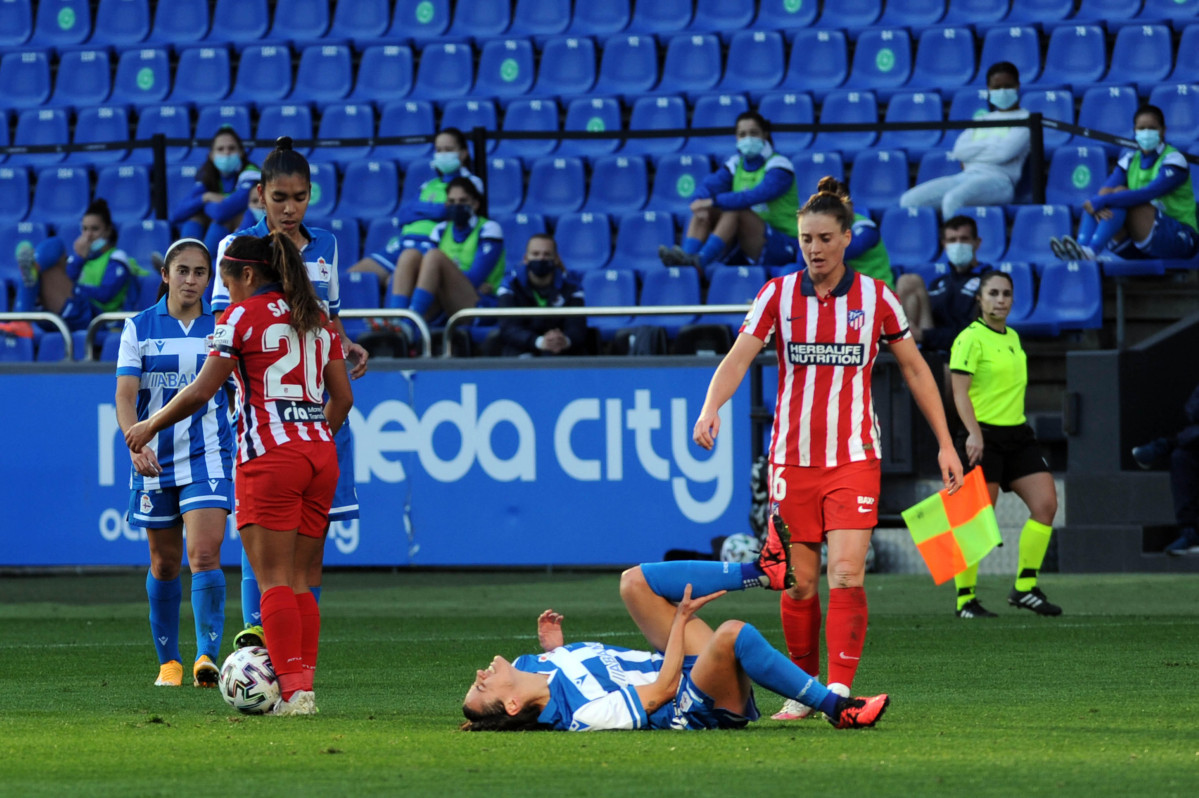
point(740, 548)
point(248, 681)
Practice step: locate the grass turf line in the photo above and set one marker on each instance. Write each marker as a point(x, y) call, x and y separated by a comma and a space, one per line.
point(1098, 702)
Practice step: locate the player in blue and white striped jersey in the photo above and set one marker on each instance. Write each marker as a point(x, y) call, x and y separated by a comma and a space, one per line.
point(185, 476)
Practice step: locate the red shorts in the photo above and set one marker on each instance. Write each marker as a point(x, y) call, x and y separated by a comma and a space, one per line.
point(814, 499)
point(289, 487)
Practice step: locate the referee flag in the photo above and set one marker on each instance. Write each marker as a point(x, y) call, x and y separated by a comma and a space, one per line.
point(954, 532)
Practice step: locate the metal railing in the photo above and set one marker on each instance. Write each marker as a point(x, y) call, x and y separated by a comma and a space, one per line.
point(93, 327)
point(52, 318)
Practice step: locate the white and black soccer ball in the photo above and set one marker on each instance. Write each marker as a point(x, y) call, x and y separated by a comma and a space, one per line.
point(248, 682)
point(740, 548)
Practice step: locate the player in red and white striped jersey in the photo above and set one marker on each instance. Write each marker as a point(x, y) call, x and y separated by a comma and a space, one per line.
point(828, 324)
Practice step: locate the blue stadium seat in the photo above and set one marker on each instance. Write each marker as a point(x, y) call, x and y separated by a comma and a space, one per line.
point(846, 106)
point(382, 235)
point(1036, 225)
point(609, 288)
point(672, 285)
point(127, 189)
point(518, 229)
point(480, 18)
point(1105, 11)
point(595, 114)
point(967, 104)
point(140, 238)
point(662, 17)
point(600, 19)
point(792, 108)
point(325, 74)
point(180, 180)
point(300, 21)
point(446, 72)
point(1047, 12)
point(239, 21)
point(975, 12)
point(346, 121)
point(282, 120)
point(733, 285)
point(361, 19)
point(1071, 298)
point(722, 16)
point(14, 194)
point(349, 239)
point(573, 67)
point(934, 164)
point(26, 79)
point(944, 59)
point(529, 115)
point(16, 23)
point(322, 199)
point(859, 13)
point(418, 173)
point(819, 61)
point(621, 185)
point(83, 78)
point(914, 14)
point(878, 178)
point(40, 126)
point(1173, 10)
point(1017, 44)
point(1180, 104)
point(16, 350)
point(1075, 175)
point(811, 166)
point(505, 69)
point(675, 180)
point(420, 20)
point(50, 348)
point(584, 240)
point(1077, 54)
point(360, 290)
point(1144, 54)
point(785, 15)
point(62, 23)
point(143, 77)
point(384, 74)
point(4, 142)
point(638, 237)
point(715, 110)
point(756, 62)
point(146, 293)
point(203, 75)
point(374, 190)
point(882, 60)
point(556, 186)
point(628, 65)
point(692, 63)
point(180, 22)
point(467, 113)
point(656, 113)
point(540, 18)
point(911, 234)
point(505, 186)
point(1110, 109)
point(121, 23)
point(1023, 289)
point(917, 106)
point(61, 197)
point(992, 230)
point(406, 118)
point(211, 118)
point(263, 74)
point(1053, 104)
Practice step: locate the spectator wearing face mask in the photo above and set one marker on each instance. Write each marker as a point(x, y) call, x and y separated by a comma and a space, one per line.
point(945, 308)
point(540, 282)
point(216, 205)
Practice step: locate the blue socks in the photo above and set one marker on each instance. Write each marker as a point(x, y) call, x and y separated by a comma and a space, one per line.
point(165, 598)
point(397, 302)
point(422, 300)
point(251, 612)
point(691, 245)
point(712, 249)
point(669, 579)
point(208, 607)
point(315, 590)
point(1107, 228)
point(770, 668)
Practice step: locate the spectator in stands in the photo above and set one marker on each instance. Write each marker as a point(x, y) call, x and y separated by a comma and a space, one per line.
point(750, 201)
point(992, 157)
point(1146, 209)
point(464, 268)
point(866, 252)
point(451, 159)
point(541, 282)
point(1181, 453)
point(217, 202)
point(942, 310)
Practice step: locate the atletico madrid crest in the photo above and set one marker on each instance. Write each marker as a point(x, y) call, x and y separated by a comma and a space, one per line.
point(857, 318)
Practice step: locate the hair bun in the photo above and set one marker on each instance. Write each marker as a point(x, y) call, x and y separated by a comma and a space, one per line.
point(283, 143)
point(830, 184)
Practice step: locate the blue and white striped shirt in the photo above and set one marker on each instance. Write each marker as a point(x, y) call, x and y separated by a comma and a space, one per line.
point(320, 256)
point(166, 354)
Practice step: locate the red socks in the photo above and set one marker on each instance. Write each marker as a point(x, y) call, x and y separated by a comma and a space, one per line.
point(310, 623)
point(281, 621)
point(845, 633)
point(801, 629)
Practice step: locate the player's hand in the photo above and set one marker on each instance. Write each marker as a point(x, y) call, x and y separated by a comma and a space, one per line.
point(688, 606)
point(137, 436)
point(974, 449)
point(146, 462)
point(706, 429)
point(549, 630)
point(357, 357)
point(951, 469)
point(1088, 207)
point(81, 246)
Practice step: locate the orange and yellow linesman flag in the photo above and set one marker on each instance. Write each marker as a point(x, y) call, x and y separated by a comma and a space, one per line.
point(954, 532)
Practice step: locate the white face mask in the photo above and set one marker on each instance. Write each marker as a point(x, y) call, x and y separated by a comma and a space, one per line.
point(1003, 99)
point(959, 253)
point(98, 246)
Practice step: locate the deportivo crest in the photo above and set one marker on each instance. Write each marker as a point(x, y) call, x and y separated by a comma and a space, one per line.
point(323, 268)
point(857, 318)
point(146, 504)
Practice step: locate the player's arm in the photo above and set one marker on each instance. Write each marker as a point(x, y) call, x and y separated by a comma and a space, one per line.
point(924, 390)
point(724, 384)
point(144, 459)
point(663, 689)
point(549, 630)
point(186, 403)
point(341, 396)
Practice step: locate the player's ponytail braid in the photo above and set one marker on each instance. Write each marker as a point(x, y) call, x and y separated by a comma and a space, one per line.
point(831, 198)
point(285, 260)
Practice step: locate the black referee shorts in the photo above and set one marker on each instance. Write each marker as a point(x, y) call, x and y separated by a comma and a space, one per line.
point(1008, 453)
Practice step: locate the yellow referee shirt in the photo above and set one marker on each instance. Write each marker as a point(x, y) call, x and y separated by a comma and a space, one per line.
point(999, 367)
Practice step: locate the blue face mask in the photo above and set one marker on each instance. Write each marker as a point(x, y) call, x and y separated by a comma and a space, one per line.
point(227, 164)
point(1003, 99)
point(98, 246)
point(1148, 140)
point(446, 162)
point(256, 214)
point(750, 146)
point(959, 253)
point(459, 215)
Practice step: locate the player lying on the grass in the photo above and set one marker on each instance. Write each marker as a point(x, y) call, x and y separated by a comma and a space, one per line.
point(701, 679)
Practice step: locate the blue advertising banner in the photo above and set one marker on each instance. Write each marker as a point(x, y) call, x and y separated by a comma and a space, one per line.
point(511, 465)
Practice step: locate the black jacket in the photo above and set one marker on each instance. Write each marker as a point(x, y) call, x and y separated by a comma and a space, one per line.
point(519, 335)
point(951, 299)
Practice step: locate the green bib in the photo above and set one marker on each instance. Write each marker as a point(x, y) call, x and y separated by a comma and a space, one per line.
point(780, 212)
point(92, 275)
point(464, 253)
point(874, 262)
point(1178, 204)
point(432, 191)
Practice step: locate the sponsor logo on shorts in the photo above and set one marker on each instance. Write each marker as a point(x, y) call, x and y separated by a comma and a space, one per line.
point(802, 354)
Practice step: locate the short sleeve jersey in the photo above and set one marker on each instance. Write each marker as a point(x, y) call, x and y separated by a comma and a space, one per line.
point(826, 348)
point(280, 374)
point(320, 257)
point(999, 369)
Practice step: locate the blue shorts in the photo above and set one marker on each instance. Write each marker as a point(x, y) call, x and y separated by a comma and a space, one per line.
point(345, 500)
point(780, 248)
point(693, 709)
point(387, 258)
point(1170, 240)
point(164, 508)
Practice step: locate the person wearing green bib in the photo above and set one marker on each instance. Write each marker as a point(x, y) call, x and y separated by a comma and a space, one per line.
point(1146, 209)
point(218, 201)
point(101, 275)
point(465, 267)
point(750, 201)
point(989, 375)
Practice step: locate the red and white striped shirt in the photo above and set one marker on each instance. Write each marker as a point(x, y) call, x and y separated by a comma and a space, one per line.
point(826, 350)
point(280, 376)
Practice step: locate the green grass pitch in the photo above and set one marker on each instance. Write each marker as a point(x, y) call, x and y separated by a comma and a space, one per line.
point(1101, 701)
